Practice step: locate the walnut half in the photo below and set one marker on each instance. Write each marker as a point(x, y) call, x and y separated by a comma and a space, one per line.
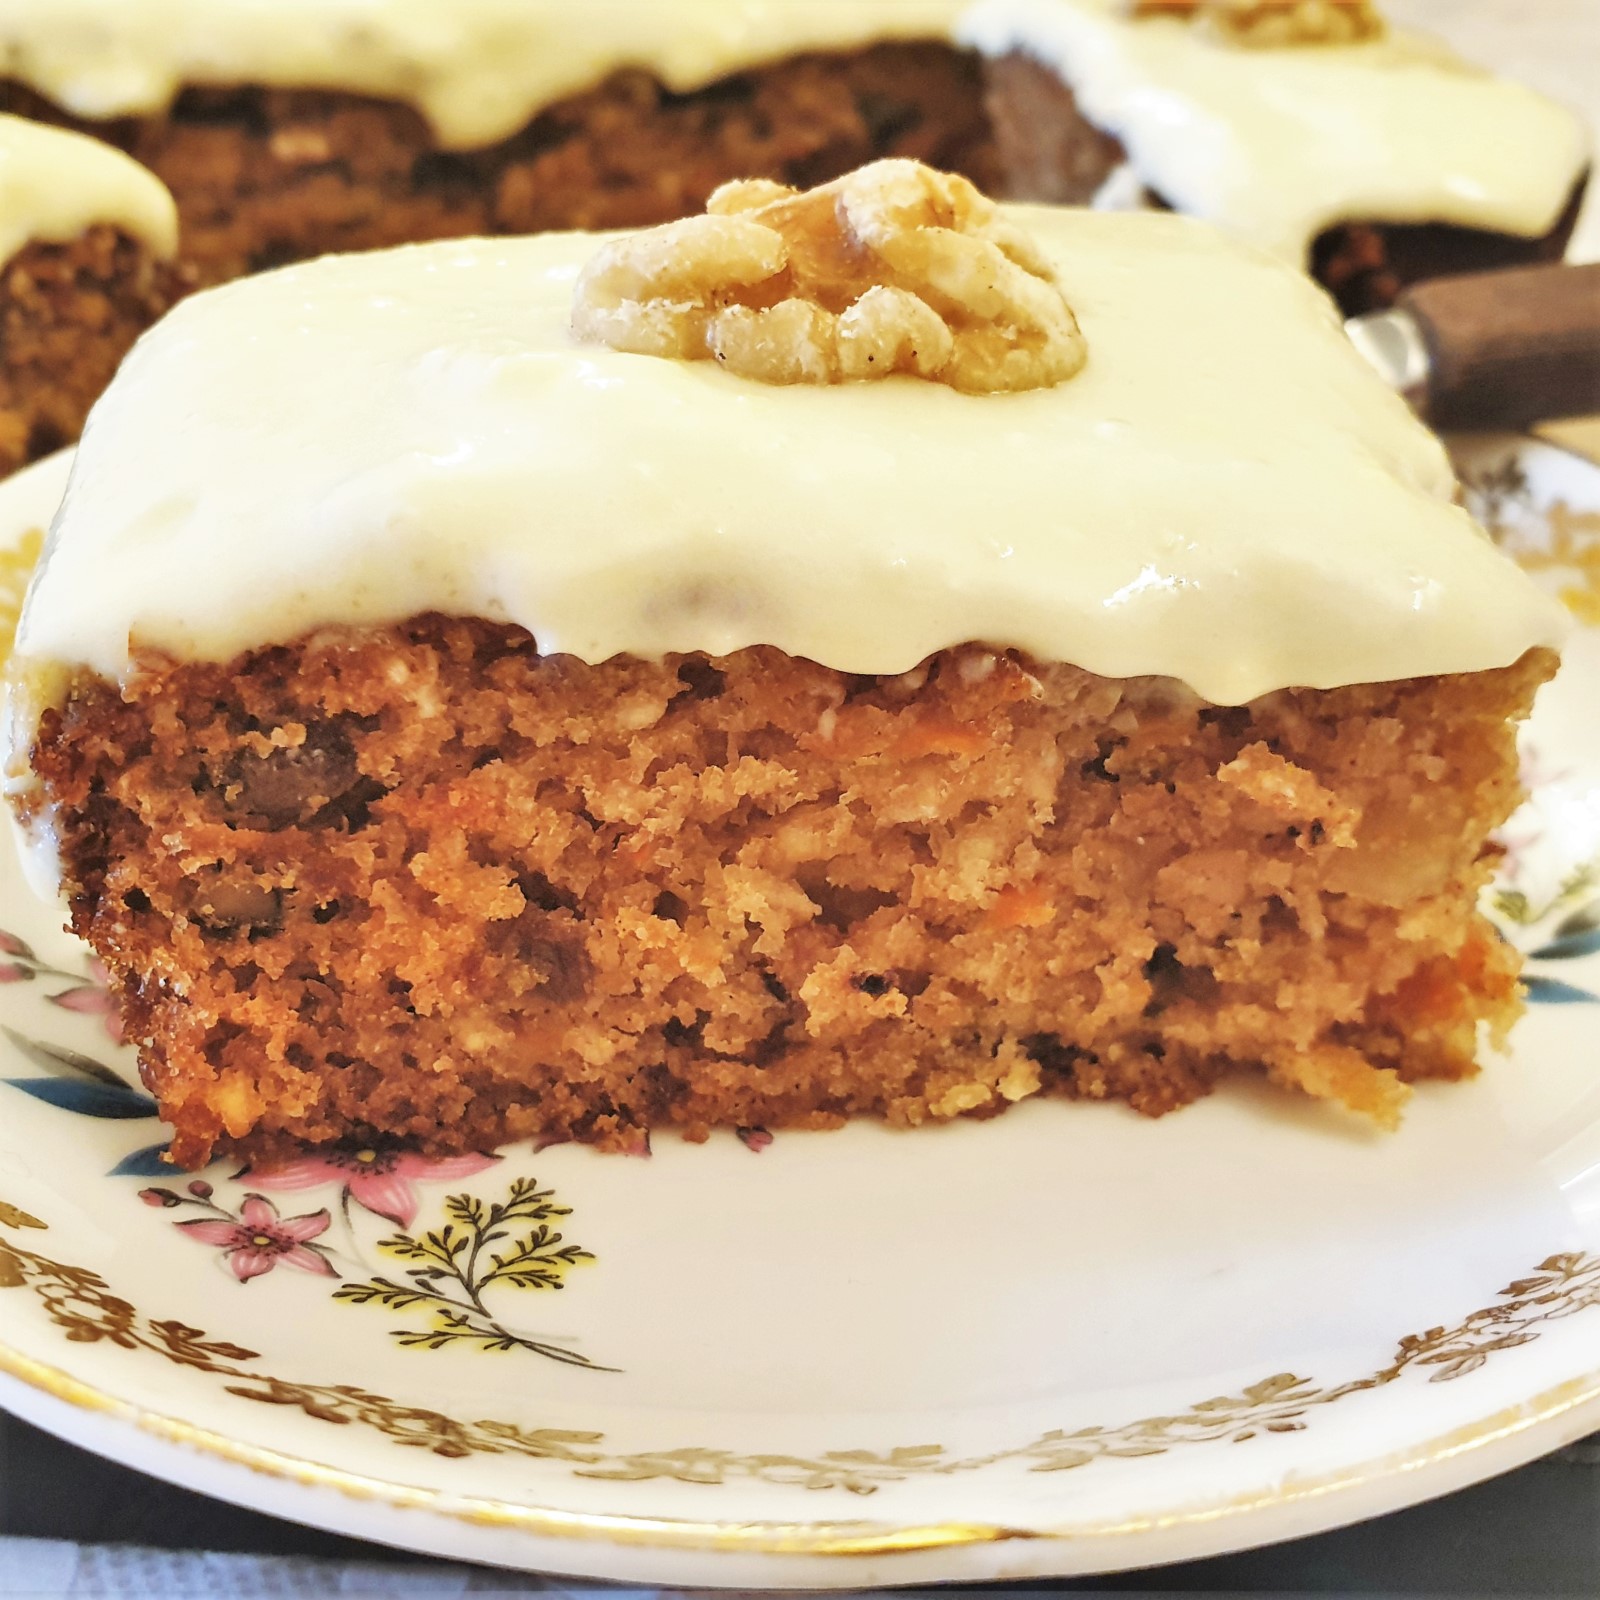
point(894, 268)
point(1270, 24)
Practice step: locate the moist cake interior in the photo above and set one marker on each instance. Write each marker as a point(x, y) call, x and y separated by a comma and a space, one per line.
point(68, 314)
point(426, 883)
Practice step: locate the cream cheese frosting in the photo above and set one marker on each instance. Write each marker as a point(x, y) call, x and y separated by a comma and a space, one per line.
point(29, 498)
point(1224, 495)
point(1280, 144)
point(477, 69)
point(55, 184)
point(28, 502)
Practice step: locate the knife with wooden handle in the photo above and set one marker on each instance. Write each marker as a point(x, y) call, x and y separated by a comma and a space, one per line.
point(1493, 350)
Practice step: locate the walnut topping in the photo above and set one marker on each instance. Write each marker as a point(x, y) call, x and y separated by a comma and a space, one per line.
point(1268, 24)
point(893, 268)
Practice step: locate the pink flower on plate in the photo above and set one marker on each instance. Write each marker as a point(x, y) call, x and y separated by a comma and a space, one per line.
point(260, 1239)
point(14, 971)
point(93, 999)
point(378, 1180)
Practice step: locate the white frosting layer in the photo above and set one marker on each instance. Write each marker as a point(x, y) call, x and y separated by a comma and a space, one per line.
point(54, 185)
point(1226, 494)
point(478, 69)
point(1280, 144)
point(28, 502)
point(29, 498)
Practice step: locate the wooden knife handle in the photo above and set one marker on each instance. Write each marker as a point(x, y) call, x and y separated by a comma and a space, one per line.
point(1510, 348)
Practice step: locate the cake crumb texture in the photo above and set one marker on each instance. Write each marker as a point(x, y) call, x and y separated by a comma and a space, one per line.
point(68, 314)
point(423, 884)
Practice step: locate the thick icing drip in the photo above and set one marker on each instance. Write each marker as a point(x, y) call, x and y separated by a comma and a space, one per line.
point(1224, 495)
point(478, 69)
point(55, 184)
point(1280, 144)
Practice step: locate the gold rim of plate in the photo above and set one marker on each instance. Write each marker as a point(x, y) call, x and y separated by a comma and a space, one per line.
point(855, 1537)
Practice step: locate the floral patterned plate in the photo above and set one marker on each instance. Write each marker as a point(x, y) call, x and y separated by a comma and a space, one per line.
point(1065, 1341)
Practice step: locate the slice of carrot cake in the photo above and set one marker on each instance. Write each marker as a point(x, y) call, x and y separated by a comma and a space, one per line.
point(861, 651)
point(1369, 154)
point(87, 239)
point(287, 131)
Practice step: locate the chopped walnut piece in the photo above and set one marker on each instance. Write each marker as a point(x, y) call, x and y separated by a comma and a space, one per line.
point(1269, 24)
point(894, 268)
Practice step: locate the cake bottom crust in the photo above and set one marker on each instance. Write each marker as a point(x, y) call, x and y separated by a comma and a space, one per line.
point(425, 885)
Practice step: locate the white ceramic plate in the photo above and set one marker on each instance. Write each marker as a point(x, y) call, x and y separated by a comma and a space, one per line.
point(1065, 1341)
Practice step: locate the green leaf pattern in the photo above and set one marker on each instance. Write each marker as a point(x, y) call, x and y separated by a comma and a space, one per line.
point(483, 1246)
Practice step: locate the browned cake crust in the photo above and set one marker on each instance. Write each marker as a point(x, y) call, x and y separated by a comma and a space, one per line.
point(1049, 151)
point(267, 176)
point(423, 884)
point(68, 313)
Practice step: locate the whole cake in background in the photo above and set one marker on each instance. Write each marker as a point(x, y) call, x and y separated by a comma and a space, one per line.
point(87, 246)
point(860, 651)
point(1370, 154)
